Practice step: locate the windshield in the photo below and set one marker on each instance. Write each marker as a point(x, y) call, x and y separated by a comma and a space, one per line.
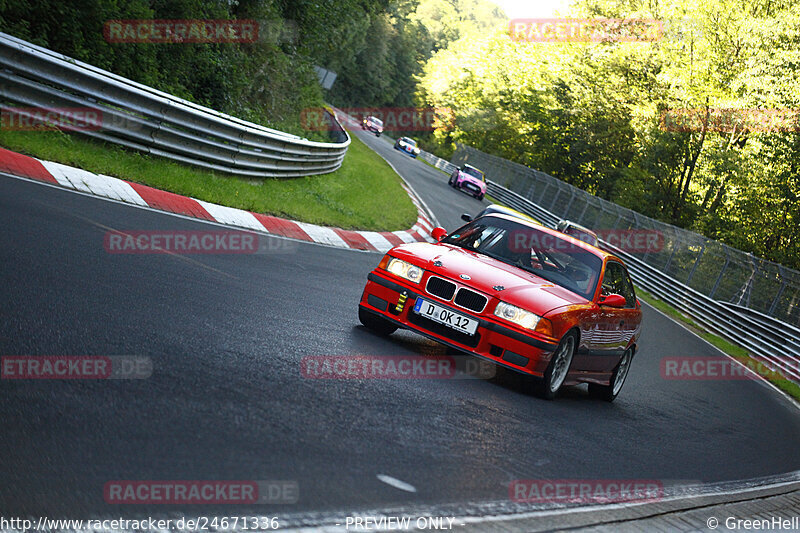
point(558, 260)
point(474, 172)
point(376, 121)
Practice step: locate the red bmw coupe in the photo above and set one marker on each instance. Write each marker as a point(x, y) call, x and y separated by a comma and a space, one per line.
point(524, 296)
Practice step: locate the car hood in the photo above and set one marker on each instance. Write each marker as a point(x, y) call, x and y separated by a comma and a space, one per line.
point(520, 288)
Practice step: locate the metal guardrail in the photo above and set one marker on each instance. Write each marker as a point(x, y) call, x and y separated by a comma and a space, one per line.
point(710, 267)
point(439, 163)
point(765, 338)
point(145, 119)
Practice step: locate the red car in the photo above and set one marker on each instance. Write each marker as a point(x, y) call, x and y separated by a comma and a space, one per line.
point(521, 295)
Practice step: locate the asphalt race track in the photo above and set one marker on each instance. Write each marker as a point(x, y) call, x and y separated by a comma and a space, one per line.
point(227, 401)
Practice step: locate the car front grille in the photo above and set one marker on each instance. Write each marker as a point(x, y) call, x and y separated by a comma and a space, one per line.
point(441, 287)
point(470, 300)
point(472, 187)
point(466, 298)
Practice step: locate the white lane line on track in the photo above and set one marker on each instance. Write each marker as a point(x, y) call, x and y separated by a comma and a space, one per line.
point(760, 379)
point(396, 483)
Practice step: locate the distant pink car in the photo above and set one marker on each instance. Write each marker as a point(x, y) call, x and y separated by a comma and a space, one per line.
point(470, 180)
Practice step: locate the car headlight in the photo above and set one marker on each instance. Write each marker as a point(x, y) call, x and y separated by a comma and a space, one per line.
point(518, 316)
point(416, 150)
point(405, 270)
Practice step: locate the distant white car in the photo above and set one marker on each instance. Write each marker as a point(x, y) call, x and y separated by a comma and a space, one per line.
point(409, 146)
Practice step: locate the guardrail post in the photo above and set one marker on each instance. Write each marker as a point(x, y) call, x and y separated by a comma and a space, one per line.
point(775, 300)
point(555, 197)
point(697, 262)
point(721, 273)
point(569, 204)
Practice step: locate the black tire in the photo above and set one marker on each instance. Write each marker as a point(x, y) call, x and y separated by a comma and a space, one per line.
point(557, 370)
point(375, 323)
point(609, 392)
point(377, 135)
point(480, 197)
point(450, 181)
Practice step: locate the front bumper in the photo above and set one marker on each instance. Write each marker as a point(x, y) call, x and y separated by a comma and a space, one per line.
point(498, 343)
point(471, 188)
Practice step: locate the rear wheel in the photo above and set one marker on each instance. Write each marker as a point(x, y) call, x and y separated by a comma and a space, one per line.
point(377, 324)
point(610, 391)
point(558, 368)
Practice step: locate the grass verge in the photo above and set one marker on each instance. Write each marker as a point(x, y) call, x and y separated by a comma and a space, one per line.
point(737, 352)
point(365, 193)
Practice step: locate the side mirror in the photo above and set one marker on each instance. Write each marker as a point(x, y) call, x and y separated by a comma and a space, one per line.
point(438, 233)
point(613, 300)
point(466, 218)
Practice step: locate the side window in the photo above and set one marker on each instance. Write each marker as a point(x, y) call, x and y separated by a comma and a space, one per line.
point(630, 294)
point(616, 281)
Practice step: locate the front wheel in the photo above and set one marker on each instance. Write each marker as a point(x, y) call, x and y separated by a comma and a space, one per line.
point(377, 324)
point(610, 391)
point(558, 368)
point(480, 197)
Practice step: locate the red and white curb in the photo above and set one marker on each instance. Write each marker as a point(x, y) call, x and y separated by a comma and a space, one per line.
point(142, 195)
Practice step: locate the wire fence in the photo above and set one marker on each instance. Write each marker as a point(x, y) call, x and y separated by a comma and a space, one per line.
point(711, 268)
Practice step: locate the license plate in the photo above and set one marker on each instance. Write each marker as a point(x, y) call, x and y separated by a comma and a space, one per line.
point(443, 315)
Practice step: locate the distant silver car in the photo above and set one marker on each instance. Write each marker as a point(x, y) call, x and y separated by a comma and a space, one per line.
point(581, 233)
point(373, 124)
point(501, 209)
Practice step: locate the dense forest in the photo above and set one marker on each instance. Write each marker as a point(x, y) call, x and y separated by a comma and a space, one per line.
point(590, 113)
point(593, 114)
